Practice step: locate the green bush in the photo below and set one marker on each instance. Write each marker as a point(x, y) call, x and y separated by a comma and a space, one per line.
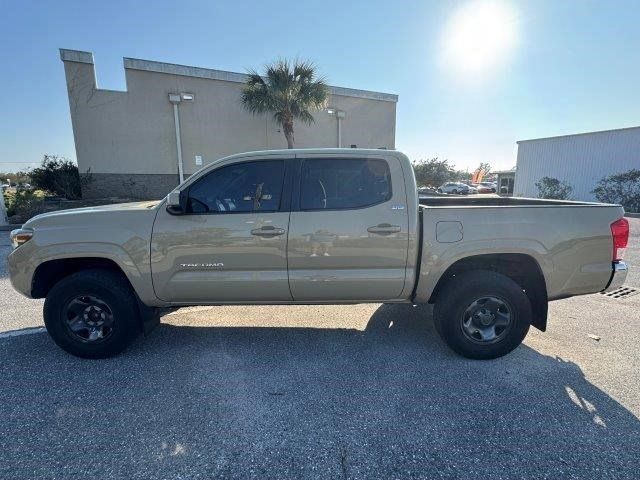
point(553, 189)
point(24, 203)
point(622, 188)
point(60, 177)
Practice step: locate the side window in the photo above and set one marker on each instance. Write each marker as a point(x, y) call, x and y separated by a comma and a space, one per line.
point(344, 183)
point(241, 187)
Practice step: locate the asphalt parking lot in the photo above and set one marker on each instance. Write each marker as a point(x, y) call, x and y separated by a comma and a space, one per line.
point(365, 391)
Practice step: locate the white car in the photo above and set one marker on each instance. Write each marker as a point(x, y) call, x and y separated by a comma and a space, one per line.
point(454, 188)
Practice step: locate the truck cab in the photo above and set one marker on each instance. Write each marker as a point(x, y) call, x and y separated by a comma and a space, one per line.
point(304, 227)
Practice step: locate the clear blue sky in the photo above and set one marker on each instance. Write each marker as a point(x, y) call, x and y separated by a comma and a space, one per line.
point(544, 67)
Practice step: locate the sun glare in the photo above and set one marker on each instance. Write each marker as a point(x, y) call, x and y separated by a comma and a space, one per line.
point(479, 36)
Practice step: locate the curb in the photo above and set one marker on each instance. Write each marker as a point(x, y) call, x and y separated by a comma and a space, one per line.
point(632, 215)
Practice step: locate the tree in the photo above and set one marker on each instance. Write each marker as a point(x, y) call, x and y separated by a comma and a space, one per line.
point(485, 167)
point(289, 90)
point(554, 189)
point(59, 176)
point(622, 188)
point(434, 172)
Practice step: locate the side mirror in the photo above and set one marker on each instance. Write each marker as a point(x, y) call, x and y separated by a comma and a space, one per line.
point(175, 203)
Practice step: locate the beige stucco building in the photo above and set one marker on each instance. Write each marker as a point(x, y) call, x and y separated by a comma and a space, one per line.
point(129, 141)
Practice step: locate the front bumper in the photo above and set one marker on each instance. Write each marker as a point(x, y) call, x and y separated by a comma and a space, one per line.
point(618, 276)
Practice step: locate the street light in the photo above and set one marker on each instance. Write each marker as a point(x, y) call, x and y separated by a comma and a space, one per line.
point(339, 114)
point(175, 99)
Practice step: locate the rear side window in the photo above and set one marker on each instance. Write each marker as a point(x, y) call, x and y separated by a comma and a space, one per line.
point(241, 187)
point(343, 183)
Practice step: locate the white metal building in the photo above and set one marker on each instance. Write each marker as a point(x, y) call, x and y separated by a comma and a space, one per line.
point(581, 160)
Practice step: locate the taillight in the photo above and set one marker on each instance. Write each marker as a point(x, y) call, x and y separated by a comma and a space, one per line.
point(620, 234)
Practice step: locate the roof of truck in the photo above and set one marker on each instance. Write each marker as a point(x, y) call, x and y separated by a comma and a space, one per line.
point(295, 151)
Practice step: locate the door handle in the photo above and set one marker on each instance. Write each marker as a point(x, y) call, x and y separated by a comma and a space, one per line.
point(267, 231)
point(384, 229)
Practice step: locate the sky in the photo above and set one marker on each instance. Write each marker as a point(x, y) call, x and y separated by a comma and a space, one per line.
point(473, 76)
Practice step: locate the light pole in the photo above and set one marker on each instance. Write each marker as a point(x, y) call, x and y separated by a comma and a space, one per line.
point(175, 99)
point(339, 114)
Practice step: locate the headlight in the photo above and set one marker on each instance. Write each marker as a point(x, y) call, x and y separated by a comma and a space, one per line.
point(20, 236)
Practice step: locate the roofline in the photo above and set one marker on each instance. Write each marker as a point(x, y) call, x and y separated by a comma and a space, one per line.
point(577, 134)
point(211, 74)
point(78, 56)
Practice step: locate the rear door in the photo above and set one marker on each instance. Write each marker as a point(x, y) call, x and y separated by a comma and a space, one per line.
point(348, 231)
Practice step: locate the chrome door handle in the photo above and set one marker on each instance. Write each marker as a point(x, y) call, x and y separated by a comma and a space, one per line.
point(384, 229)
point(267, 231)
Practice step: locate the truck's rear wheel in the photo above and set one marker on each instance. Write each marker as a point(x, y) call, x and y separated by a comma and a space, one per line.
point(482, 314)
point(92, 313)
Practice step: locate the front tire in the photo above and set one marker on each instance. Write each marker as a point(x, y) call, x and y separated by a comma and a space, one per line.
point(482, 314)
point(92, 313)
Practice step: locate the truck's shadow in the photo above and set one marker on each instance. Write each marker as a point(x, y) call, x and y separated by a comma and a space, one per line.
point(390, 401)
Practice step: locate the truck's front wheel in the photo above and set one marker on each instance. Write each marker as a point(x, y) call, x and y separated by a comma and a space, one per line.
point(92, 313)
point(482, 314)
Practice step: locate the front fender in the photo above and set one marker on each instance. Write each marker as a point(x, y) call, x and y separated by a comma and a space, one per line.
point(134, 263)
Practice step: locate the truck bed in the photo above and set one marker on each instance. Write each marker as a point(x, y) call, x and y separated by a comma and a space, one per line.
point(570, 241)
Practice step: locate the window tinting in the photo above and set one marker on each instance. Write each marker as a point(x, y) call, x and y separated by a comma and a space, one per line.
point(343, 183)
point(241, 187)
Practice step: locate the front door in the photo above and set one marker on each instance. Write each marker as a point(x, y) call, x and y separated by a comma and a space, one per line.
point(230, 244)
point(348, 233)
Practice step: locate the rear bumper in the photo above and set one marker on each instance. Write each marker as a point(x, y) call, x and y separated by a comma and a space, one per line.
point(618, 276)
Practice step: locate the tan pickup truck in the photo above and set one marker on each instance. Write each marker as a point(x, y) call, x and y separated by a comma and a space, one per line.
point(335, 226)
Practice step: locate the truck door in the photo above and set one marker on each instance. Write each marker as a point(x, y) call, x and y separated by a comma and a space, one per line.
point(348, 232)
point(230, 243)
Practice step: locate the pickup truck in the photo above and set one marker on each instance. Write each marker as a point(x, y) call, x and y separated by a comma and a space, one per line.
point(321, 226)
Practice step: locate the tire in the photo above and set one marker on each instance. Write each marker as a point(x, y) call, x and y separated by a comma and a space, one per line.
point(482, 314)
point(92, 313)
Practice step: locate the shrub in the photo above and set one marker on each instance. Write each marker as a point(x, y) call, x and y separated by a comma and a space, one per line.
point(553, 189)
point(622, 188)
point(59, 176)
point(24, 203)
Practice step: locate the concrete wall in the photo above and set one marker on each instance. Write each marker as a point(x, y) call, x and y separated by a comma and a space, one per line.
point(580, 160)
point(128, 138)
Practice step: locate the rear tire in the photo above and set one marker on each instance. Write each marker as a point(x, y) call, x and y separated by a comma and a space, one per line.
point(482, 314)
point(92, 313)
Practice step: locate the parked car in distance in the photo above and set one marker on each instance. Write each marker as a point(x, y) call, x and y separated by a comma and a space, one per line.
point(318, 226)
point(485, 187)
point(455, 188)
point(429, 192)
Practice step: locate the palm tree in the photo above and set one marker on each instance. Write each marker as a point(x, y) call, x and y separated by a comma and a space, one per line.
point(290, 90)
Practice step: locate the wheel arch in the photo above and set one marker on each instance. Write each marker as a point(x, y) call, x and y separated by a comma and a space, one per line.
point(50, 272)
point(520, 267)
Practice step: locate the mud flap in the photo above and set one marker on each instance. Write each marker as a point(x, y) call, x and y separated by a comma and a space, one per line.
point(539, 319)
point(149, 317)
